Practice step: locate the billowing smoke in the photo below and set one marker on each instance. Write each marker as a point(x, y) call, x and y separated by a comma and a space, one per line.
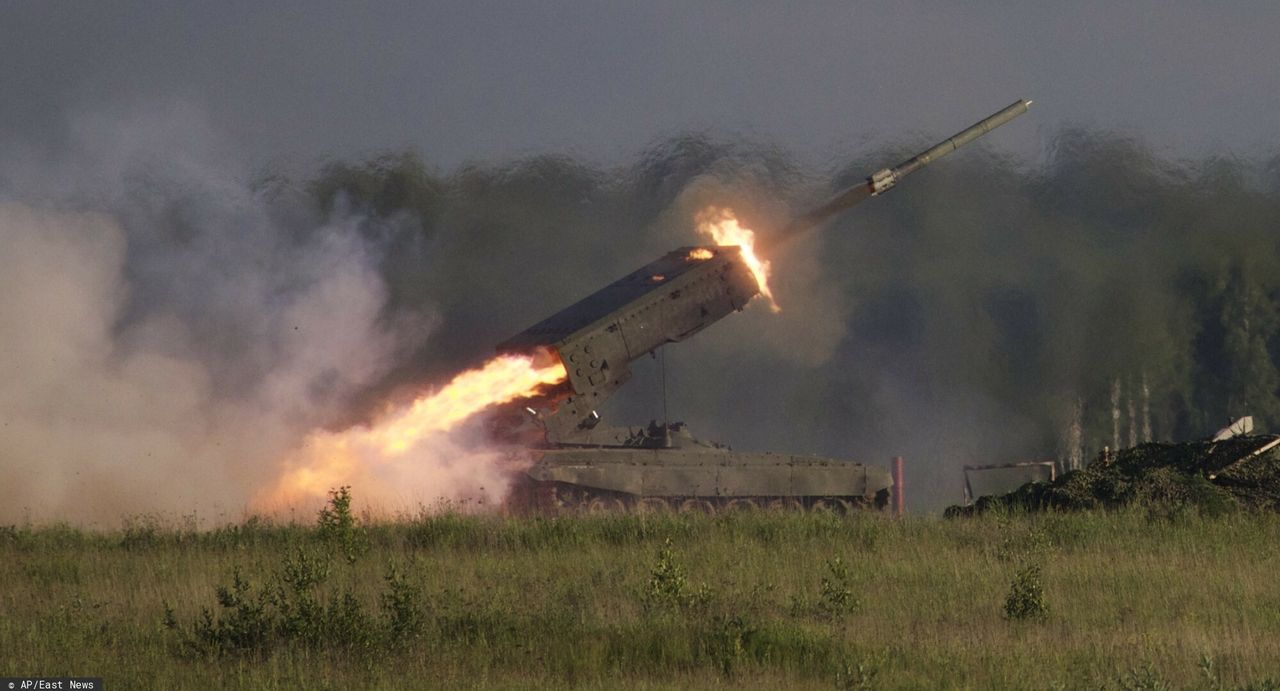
point(173, 326)
point(168, 331)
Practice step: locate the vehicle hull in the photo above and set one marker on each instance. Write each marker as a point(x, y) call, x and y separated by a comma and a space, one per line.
point(636, 479)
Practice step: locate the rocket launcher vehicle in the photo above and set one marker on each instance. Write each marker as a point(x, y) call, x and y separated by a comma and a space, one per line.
point(582, 465)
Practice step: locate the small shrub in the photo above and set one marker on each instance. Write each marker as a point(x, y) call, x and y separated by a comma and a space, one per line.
point(667, 581)
point(347, 625)
point(1026, 594)
point(297, 608)
point(727, 642)
point(297, 605)
point(836, 597)
point(668, 586)
point(402, 604)
point(243, 625)
point(835, 594)
point(338, 526)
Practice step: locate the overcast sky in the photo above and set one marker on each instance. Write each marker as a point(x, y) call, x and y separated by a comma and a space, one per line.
point(484, 81)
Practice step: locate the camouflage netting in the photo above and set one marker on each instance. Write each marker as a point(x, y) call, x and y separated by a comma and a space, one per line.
point(1211, 476)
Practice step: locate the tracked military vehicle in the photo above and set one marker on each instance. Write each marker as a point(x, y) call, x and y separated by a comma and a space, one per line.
point(580, 464)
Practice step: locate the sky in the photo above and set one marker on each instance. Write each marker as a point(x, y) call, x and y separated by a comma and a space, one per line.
point(290, 83)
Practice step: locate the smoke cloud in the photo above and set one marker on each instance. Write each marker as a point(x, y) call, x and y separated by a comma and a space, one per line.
point(168, 333)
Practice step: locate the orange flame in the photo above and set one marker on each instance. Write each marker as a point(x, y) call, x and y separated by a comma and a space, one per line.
point(328, 460)
point(722, 226)
point(700, 254)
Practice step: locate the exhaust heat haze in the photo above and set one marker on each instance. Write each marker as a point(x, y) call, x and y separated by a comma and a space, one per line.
point(721, 225)
point(327, 460)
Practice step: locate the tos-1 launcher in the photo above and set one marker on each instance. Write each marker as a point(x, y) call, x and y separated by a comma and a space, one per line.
point(671, 299)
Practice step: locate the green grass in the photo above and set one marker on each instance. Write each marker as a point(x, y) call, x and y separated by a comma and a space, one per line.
point(756, 601)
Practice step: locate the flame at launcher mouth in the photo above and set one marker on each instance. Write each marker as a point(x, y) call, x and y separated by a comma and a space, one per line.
point(721, 225)
point(360, 455)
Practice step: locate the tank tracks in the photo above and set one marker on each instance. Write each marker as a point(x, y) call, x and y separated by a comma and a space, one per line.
point(561, 499)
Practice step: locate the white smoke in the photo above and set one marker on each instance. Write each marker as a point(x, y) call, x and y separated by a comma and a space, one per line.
point(166, 334)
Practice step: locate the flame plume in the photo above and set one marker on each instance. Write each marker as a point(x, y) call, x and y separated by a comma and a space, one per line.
point(327, 460)
point(721, 225)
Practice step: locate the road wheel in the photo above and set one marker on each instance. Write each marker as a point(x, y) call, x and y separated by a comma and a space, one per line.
point(568, 500)
point(848, 506)
point(602, 505)
point(823, 506)
point(697, 506)
point(653, 505)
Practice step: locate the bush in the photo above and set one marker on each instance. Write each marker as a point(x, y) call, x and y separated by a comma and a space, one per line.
point(1026, 594)
point(835, 594)
point(836, 597)
point(296, 607)
point(402, 605)
point(339, 528)
point(668, 586)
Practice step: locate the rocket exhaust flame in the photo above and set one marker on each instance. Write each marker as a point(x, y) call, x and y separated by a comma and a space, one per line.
point(721, 225)
point(502, 379)
point(331, 459)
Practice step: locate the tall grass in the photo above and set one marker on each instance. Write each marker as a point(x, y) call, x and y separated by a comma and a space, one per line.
point(649, 602)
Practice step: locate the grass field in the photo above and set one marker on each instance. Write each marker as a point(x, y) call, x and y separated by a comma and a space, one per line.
point(1119, 600)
